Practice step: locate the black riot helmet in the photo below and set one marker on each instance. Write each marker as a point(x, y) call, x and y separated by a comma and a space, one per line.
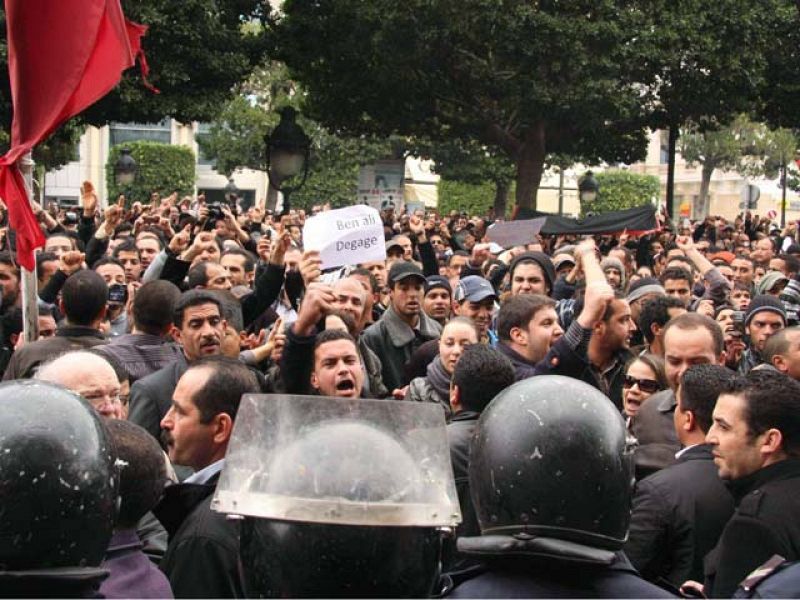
point(341, 507)
point(58, 484)
point(551, 460)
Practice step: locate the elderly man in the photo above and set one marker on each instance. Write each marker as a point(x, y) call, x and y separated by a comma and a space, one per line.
point(89, 375)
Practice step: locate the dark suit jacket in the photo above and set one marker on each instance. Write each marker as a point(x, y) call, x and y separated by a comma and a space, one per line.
point(151, 396)
point(202, 559)
point(678, 516)
point(765, 523)
point(654, 429)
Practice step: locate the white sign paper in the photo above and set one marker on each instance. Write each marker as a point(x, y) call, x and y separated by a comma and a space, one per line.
point(515, 233)
point(346, 236)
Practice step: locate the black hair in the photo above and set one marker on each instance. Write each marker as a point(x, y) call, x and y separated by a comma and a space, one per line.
point(229, 380)
point(772, 401)
point(778, 343)
point(142, 474)
point(107, 260)
point(249, 258)
point(480, 374)
point(518, 311)
point(193, 298)
point(692, 320)
point(197, 277)
point(84, 297)
point(332, 335)
point(373, 281)
point(230, 309)
point(700, 386)
point(41, 259)
point(6, 259)
point(675, 273)
point(656, 310)
point(154, 306)
point(127, 245)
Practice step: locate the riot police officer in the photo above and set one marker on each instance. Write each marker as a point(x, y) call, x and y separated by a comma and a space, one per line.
point(58, 488)
point(551, 478)
point(339, 498)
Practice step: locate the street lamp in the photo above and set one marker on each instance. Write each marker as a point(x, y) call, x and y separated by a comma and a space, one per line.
point(588, 188)
point(231, 192)
point(287, 154)
point(125, 171)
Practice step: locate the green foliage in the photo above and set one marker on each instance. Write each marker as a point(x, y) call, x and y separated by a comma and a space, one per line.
point(198, 52)
point(236, 139)
point(334, 165)
point(162, 168)
point(529, 78)
point(475, 199)
point(623, 189)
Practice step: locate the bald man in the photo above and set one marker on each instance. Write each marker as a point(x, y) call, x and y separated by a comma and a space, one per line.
point(88, 375)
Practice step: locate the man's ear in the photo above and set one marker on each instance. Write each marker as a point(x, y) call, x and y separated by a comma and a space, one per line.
point(223, 425)
point(772, 444)
point(779, 362)
point(314, 380)
point(455, 397)
point(656, 329)
point(688, 420)
point(518, 335)
point(176, 333)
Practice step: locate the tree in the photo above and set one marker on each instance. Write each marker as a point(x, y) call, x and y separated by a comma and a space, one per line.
point(470, 163)
point(235, 139)
point(619, 189)
point(198, 51)
point(162, 168)
point(724, 148)
point(706, 62)
point(528, 78)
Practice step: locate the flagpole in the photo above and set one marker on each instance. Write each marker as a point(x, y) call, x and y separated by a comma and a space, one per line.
point(30, 305)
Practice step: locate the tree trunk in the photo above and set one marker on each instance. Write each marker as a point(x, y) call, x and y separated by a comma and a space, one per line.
point(673, 143)
point(500, 199)
point(703, 201)
point(530, 166)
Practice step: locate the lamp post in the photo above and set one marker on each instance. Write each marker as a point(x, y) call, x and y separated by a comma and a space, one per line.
point(588, 188)
point(287, 155)
point(125, 171)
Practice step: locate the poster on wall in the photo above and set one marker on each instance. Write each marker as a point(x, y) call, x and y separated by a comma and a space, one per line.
point(381, 184)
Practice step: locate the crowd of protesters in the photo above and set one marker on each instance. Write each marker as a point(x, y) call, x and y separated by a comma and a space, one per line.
point(162, 314)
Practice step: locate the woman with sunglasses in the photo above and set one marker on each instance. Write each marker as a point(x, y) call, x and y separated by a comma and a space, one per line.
point(644, 376)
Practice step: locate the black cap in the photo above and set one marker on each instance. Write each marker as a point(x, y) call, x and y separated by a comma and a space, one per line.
point(539, 258)
point(437, 281)
point(403, 270)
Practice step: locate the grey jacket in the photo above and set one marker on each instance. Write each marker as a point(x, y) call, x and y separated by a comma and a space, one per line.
point(394, 341)
point(421, 390)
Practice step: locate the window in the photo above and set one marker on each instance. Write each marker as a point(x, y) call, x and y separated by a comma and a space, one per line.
point(123, 133)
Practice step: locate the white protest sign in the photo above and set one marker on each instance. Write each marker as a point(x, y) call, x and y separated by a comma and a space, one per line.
point(515, 233)
point(346, 236)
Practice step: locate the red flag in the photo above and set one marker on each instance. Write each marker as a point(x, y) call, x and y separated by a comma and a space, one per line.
point(62, 57)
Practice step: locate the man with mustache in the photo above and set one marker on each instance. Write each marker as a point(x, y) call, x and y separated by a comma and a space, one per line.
point(203, 551)
point(198, 326)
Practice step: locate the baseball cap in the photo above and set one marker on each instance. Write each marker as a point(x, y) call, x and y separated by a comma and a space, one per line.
point(403, 270)
point(474, 289)
point(393, 244)
point(559, 260)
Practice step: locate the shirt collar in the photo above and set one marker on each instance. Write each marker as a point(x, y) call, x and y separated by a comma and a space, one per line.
point(205, 474)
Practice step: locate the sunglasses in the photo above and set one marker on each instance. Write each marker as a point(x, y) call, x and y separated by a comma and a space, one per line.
point(648, 386)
